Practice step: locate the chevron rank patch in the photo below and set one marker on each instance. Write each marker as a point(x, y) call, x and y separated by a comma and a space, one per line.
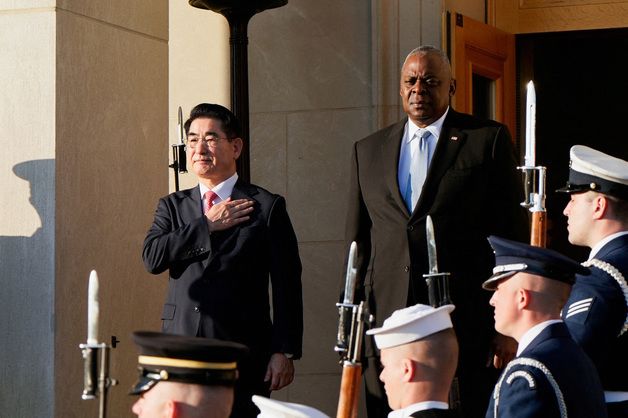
point(581, 308)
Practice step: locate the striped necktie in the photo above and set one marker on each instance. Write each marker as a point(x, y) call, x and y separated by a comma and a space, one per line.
point(208, 201)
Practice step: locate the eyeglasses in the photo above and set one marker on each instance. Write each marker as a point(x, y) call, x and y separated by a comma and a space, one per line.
point(210, 140)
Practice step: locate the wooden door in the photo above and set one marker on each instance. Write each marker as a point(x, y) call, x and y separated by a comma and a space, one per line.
point(483, 61)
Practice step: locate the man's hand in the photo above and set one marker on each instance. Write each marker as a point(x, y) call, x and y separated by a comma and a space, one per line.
point(280, 371)
point(503, 349)
point(228, 213)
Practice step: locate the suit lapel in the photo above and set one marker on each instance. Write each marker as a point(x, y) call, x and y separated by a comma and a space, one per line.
point(389, 152)
point(190, 208)
point(241, 190)
point(449, 143)
point(191, 205)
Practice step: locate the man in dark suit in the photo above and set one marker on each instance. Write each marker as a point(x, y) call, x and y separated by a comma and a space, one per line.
point(551, 376)
point(221, 241)
point(597, 310)
point(471, 189)
point(419, 354)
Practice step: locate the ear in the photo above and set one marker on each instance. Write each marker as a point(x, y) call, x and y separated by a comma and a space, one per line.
point(524, 298)
point(237, 145)
point(409, 369)
point(172, 409)
point(452, 87)
point(600, 206)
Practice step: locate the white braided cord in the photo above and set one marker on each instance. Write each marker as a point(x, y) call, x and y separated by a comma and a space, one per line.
point(523, 374)
point(524, 361)
point(618, 277)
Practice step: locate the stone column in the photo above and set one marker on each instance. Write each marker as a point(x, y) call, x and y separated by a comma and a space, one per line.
point(84, 129)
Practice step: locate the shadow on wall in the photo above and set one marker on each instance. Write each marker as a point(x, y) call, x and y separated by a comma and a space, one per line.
point(27, 302)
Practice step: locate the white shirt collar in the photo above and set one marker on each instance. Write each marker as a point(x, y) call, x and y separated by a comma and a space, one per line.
point(435, 128)
point(534, 332)
point(597, 247)
point(415, 407)
point(223, 190)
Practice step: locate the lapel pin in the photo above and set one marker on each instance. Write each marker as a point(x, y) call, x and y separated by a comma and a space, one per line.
point(454, 138)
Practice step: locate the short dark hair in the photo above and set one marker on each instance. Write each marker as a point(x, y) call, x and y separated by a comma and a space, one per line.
point(230, 123)
point(619, 208)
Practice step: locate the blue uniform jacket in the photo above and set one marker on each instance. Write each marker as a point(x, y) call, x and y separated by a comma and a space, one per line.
point(552, 378)
point(595, 314)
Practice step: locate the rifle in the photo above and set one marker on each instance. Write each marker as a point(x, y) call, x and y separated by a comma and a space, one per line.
point(179, 164)
point(96, 380)
point(534, 176)
point(349, 341)
point(438, 295)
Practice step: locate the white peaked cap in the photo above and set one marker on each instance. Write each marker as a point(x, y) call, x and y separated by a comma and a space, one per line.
point(271, 408)
point(412, 324)
point(592, 170)
point(590, 161)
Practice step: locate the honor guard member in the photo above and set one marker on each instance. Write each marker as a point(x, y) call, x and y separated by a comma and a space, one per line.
point(271, 408)
point(185, 377)
point(419, 355)
point(596, 312)
point(551, 376)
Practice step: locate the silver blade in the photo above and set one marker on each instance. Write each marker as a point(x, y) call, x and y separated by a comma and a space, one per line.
point(431, 245)
point(351, 273)
point(180, 130)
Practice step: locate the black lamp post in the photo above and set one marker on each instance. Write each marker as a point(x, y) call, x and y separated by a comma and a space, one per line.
point(238, 14)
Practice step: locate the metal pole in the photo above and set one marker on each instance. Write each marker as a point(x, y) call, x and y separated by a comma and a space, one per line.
point(238, 13)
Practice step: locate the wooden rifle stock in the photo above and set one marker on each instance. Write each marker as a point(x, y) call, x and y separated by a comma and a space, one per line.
point(538, 230)
point(349, 390)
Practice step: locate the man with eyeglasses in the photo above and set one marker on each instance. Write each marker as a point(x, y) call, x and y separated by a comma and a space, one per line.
point(221, 242)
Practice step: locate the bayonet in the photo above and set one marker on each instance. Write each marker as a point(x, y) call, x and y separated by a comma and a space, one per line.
point(437, 283)
point(179, 164)
point(438, 294)
point(533, 175)
point(352, 272)
point(180, 131)
point(431, 245)
point(347, 309)
point(353, 317)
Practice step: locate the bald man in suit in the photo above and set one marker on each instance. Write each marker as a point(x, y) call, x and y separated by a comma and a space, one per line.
point(471, 189)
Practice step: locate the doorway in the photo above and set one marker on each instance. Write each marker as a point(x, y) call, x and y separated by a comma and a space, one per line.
point(582, 98)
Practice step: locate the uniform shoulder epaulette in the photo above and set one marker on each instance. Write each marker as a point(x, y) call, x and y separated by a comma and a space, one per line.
point(618, 277)
point(524, 374)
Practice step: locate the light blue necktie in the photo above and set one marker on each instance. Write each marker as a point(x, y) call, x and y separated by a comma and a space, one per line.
point(419, 162)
